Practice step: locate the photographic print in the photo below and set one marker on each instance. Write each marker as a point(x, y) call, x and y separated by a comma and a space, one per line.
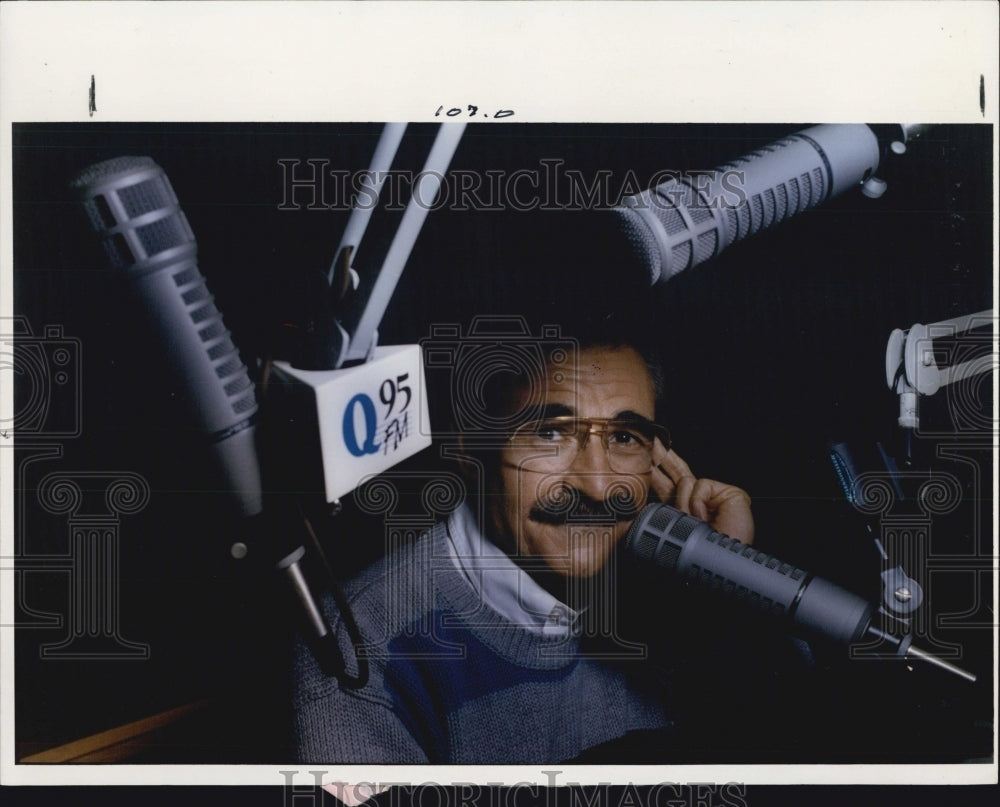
point(489, 448)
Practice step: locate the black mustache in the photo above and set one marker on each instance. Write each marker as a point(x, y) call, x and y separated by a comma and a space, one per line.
point(566, 504)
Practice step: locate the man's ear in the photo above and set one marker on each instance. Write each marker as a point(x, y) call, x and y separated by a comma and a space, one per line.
point(470, 465)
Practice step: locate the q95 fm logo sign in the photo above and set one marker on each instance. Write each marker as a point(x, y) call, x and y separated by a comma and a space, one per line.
point(379, 428)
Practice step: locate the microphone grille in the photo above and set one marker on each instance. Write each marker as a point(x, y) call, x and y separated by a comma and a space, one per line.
point(163, 234)
point(671, 228)
point(131, 204)
point(641, 240)
point(644, 545)
point(109, 168)
point(146, 196)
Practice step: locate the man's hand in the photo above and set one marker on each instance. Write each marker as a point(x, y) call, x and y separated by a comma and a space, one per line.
point(725, 507)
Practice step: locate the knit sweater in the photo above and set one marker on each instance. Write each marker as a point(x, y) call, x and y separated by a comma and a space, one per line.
point(452, 681)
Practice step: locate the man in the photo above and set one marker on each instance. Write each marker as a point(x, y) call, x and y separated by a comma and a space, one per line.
point(477, 634)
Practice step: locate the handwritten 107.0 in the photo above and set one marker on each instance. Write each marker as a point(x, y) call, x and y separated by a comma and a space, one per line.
point(472, 111)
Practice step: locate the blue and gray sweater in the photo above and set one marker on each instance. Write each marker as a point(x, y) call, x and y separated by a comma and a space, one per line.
point(452, 681)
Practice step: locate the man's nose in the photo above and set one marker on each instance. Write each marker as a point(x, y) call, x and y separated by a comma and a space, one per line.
point(590, 468)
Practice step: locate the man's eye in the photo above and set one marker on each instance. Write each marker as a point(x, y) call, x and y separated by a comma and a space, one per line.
point(627, 438)
point(552, 431)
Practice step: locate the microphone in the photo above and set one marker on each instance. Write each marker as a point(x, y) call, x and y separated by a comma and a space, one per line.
point(133, 208)
point(146, 236)
point(665, 542)
point(685, 221)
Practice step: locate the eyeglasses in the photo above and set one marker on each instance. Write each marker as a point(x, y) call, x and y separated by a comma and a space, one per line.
point(552, 444)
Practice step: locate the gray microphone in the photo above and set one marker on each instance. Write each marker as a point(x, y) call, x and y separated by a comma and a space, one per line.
point(134, 210)
point(687, 220)
point(666, 540)
point(667, 543)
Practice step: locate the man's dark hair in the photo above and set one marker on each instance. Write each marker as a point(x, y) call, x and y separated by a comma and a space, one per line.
point(612, 332)
point(616, 331)
point(570, 274)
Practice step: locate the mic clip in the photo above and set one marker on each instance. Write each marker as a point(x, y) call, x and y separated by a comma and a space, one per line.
point(901, 594)
point(314, 340)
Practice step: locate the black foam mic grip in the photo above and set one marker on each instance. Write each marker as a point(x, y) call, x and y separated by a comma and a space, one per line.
point(666, 542)
point(146, 236)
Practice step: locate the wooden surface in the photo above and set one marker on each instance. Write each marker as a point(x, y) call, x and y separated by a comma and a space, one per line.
point(119, 743)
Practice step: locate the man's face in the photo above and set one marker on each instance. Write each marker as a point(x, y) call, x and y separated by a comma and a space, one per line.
point(569, 521)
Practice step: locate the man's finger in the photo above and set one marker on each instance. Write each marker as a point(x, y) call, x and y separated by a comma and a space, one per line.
point(662, 485)
point(682, 495)
point(725, 507)
point(670, 462)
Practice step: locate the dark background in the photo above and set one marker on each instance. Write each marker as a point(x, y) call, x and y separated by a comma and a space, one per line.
point(772, 350)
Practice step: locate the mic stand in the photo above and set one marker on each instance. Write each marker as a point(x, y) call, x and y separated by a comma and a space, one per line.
point(902, 647)
point(341, 330)
point(913, 367)
point(902, 595)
